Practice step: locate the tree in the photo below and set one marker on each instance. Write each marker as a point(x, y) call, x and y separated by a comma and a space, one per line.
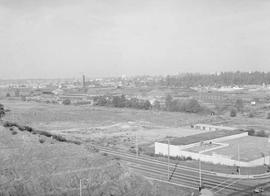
point(239, 105)
point(192, 105)
point(156, 105)
point(2, 111)
point(119, 102)
point(233, 113)
point(147, 105)
point(134, 102)
point(168, 102)
point(8, 95)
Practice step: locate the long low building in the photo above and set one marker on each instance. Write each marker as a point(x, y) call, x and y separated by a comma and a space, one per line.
point(208, 127)
point(217, 147)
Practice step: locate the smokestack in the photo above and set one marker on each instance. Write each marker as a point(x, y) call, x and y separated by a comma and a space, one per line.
point(83, 81)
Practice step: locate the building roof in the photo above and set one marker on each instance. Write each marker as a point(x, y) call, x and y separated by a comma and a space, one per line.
point(216, 126)
point(202, 137)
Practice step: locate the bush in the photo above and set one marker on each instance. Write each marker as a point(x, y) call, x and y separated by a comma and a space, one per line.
point(45, 133)
point(268, 116)
point(188, 158)
point(9, 124)
point(59, 138)
point(41, 140)
point(67, 102)
point(14, 132)
point(251, 132)
point(261, 133)
point(21, 128)
point(29, 129)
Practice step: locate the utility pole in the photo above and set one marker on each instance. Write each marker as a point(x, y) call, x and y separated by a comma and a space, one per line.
point(80, 187)
point(168, 159)
point(269, 159)
point(136, 143)
point(238, 159)
point(200, 171)
point(81, 180)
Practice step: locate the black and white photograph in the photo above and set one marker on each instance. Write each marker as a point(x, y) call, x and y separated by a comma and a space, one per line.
point(134, 97)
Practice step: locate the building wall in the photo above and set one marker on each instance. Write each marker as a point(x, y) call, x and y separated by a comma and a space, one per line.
point(161, 148)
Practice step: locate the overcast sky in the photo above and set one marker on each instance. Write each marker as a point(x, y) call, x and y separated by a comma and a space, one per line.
point(65, 38)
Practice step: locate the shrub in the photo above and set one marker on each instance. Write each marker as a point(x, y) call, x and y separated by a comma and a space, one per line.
point(188, 158)
point(41, 140)
point(6, 124)
point(233, 113)
point(67, 102)
point(29, 129)
point(45, 133)
point(151, 154)
point(59, 138)
point(74, 142)
point(251, 132)
point(14, 132)
point(268, 116)
point(261, 133)
point(21, 128)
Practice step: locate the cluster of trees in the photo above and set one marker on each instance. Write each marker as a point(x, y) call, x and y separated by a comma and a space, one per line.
point(122, 102)
point(175, 105)
point(172, 105)
point(2, 111)
point(222, 79)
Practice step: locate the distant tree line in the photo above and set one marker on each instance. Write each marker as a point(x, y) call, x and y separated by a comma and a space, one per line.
point(221, 79)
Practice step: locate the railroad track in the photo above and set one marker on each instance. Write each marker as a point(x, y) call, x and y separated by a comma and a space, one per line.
point(180, 175)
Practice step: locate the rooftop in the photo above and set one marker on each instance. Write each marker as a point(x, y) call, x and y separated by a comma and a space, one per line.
point(216, 126)
point(202, 137)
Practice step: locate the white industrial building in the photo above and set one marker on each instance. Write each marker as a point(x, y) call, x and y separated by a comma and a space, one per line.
point(208, 127)
point(202, 146)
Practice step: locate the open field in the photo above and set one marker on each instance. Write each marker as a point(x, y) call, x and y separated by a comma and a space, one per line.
point(57, 167)
point(109, 126)
point(113, 126)
point(255, 123)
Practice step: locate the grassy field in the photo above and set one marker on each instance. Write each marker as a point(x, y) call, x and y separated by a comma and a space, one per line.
point(104, 125)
